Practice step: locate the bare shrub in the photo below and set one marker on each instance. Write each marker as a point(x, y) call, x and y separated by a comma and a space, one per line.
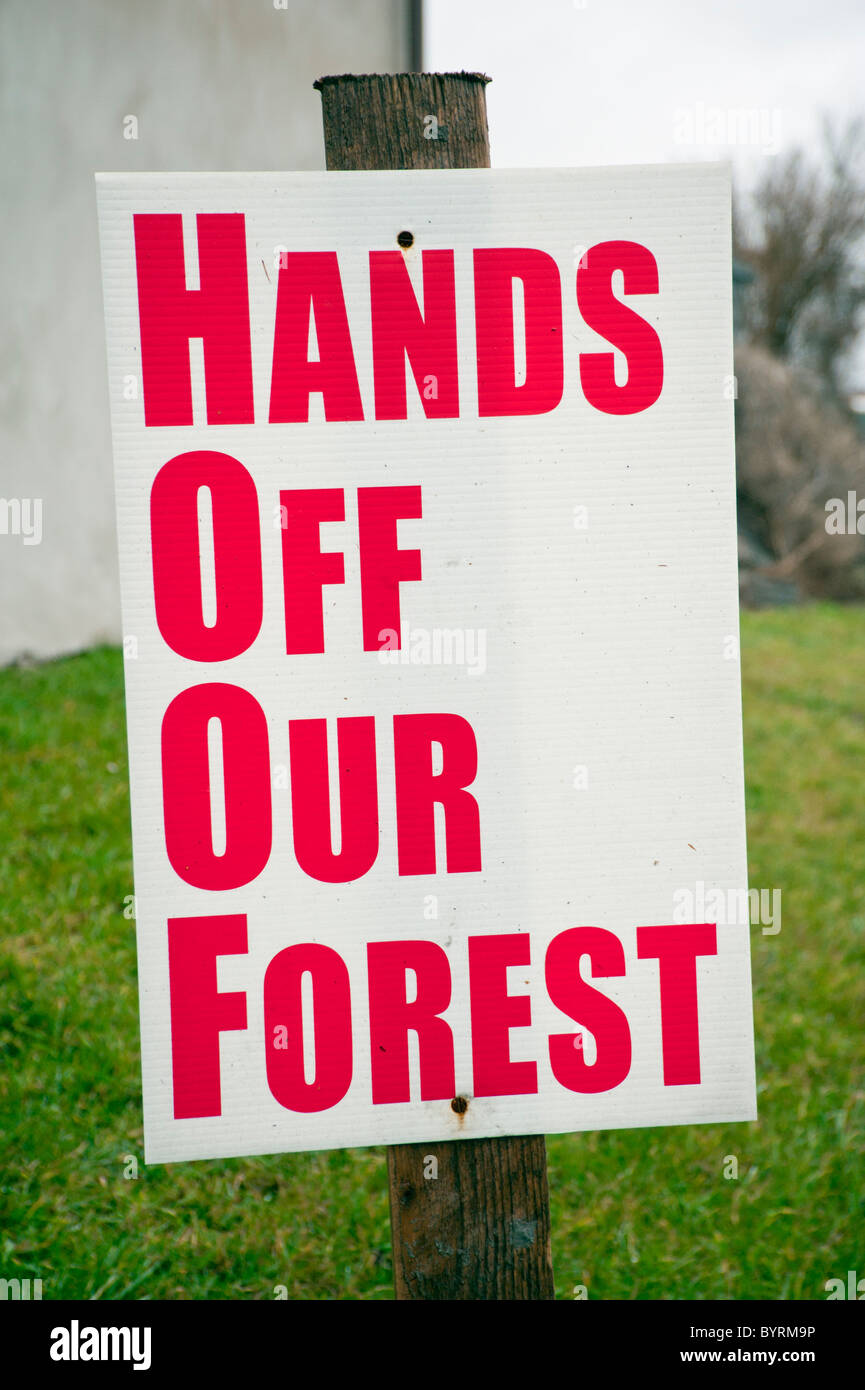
point(794, 451)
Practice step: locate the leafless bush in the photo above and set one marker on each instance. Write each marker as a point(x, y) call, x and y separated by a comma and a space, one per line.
point(802, 232)
point(794, 451)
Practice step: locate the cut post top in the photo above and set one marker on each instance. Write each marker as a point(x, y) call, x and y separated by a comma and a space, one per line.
point(426, 120)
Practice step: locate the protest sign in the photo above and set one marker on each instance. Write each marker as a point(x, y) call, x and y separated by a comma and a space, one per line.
point(426, 517)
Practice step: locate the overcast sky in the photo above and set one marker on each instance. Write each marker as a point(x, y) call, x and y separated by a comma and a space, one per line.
point(636, 81)
point(646, 81)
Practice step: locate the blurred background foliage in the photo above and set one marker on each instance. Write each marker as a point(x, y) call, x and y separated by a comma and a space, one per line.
point(799, 297)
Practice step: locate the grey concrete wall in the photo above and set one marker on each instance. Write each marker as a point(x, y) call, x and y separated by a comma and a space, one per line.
point(214, 84)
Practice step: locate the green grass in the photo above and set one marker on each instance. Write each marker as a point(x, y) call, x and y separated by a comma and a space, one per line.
point(636, 1213)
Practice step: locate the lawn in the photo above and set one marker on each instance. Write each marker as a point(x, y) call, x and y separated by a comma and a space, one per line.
point(636, 1213)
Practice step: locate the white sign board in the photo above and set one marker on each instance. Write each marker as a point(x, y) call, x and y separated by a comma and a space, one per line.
point(426, 510)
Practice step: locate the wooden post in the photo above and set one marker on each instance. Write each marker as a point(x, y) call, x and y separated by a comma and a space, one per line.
point(425, 120)
point(480, 1229)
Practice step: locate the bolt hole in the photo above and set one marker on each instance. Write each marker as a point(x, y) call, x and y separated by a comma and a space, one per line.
point(405, 240)
point(459, 1105)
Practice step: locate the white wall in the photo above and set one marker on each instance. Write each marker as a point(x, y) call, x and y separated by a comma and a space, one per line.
point(215, 84)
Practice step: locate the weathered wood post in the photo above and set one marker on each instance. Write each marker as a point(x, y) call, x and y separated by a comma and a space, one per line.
point(481, 1228)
